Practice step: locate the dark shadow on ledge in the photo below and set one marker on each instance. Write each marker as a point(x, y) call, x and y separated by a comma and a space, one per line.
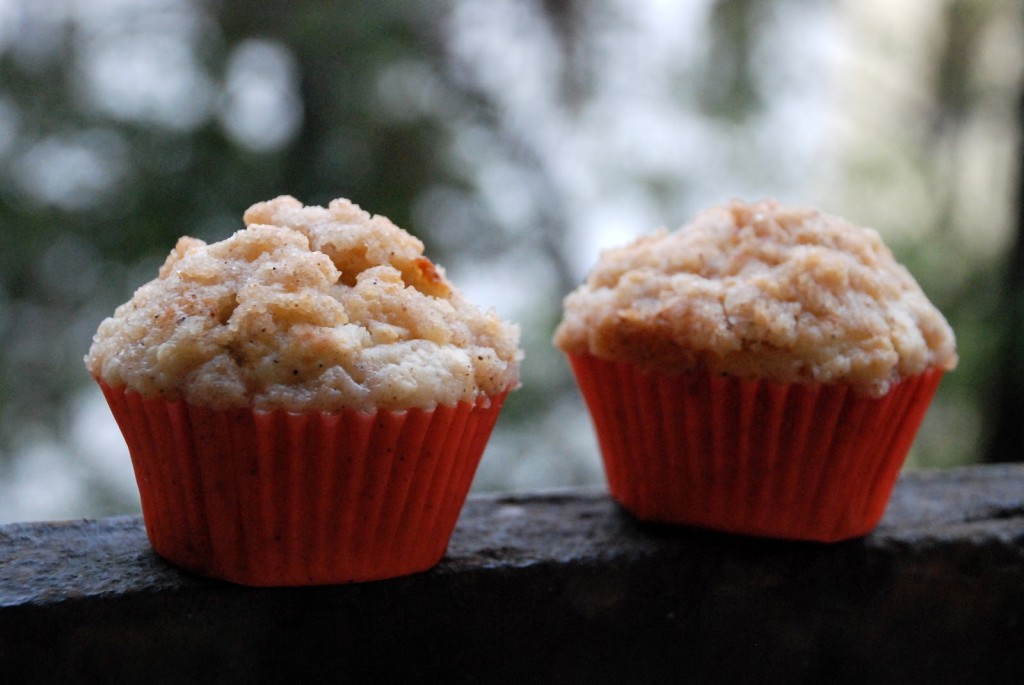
point(551, 587)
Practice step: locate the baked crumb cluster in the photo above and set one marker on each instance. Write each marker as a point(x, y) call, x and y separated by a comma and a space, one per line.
point(307, 308)
point(762, 290)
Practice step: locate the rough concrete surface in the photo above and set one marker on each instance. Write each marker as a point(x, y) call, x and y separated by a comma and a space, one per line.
point(550, 587)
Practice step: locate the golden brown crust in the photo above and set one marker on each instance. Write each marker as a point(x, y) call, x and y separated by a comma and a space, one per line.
point(762, 290)
point(308, 308)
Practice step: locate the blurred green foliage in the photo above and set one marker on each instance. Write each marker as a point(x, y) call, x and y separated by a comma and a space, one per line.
point(126, 125)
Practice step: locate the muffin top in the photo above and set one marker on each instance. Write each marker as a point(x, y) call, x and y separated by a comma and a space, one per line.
point(760, 290)
point(306, 309)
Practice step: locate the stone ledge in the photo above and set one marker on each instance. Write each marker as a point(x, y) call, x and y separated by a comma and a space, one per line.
point(551, 587)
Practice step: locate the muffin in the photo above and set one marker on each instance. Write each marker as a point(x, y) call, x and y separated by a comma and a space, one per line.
point(305, 402)
point(762, 370)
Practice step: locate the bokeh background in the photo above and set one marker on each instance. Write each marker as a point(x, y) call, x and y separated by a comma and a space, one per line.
point(516, 138)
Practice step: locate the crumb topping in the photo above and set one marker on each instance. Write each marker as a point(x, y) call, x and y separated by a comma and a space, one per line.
point(760, 290)
point(307, 308)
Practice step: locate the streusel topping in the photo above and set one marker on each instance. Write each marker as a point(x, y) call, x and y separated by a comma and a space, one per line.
point(307, 308)
point(760, 290)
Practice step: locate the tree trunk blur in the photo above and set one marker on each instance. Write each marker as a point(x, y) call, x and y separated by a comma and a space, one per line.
point(1007, 437)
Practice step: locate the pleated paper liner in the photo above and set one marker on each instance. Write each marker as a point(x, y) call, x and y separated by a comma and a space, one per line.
point(279, 498)
point(795, 461)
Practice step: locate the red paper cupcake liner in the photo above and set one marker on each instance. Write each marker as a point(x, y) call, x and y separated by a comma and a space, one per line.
point(281, 498)
point(796, 461)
